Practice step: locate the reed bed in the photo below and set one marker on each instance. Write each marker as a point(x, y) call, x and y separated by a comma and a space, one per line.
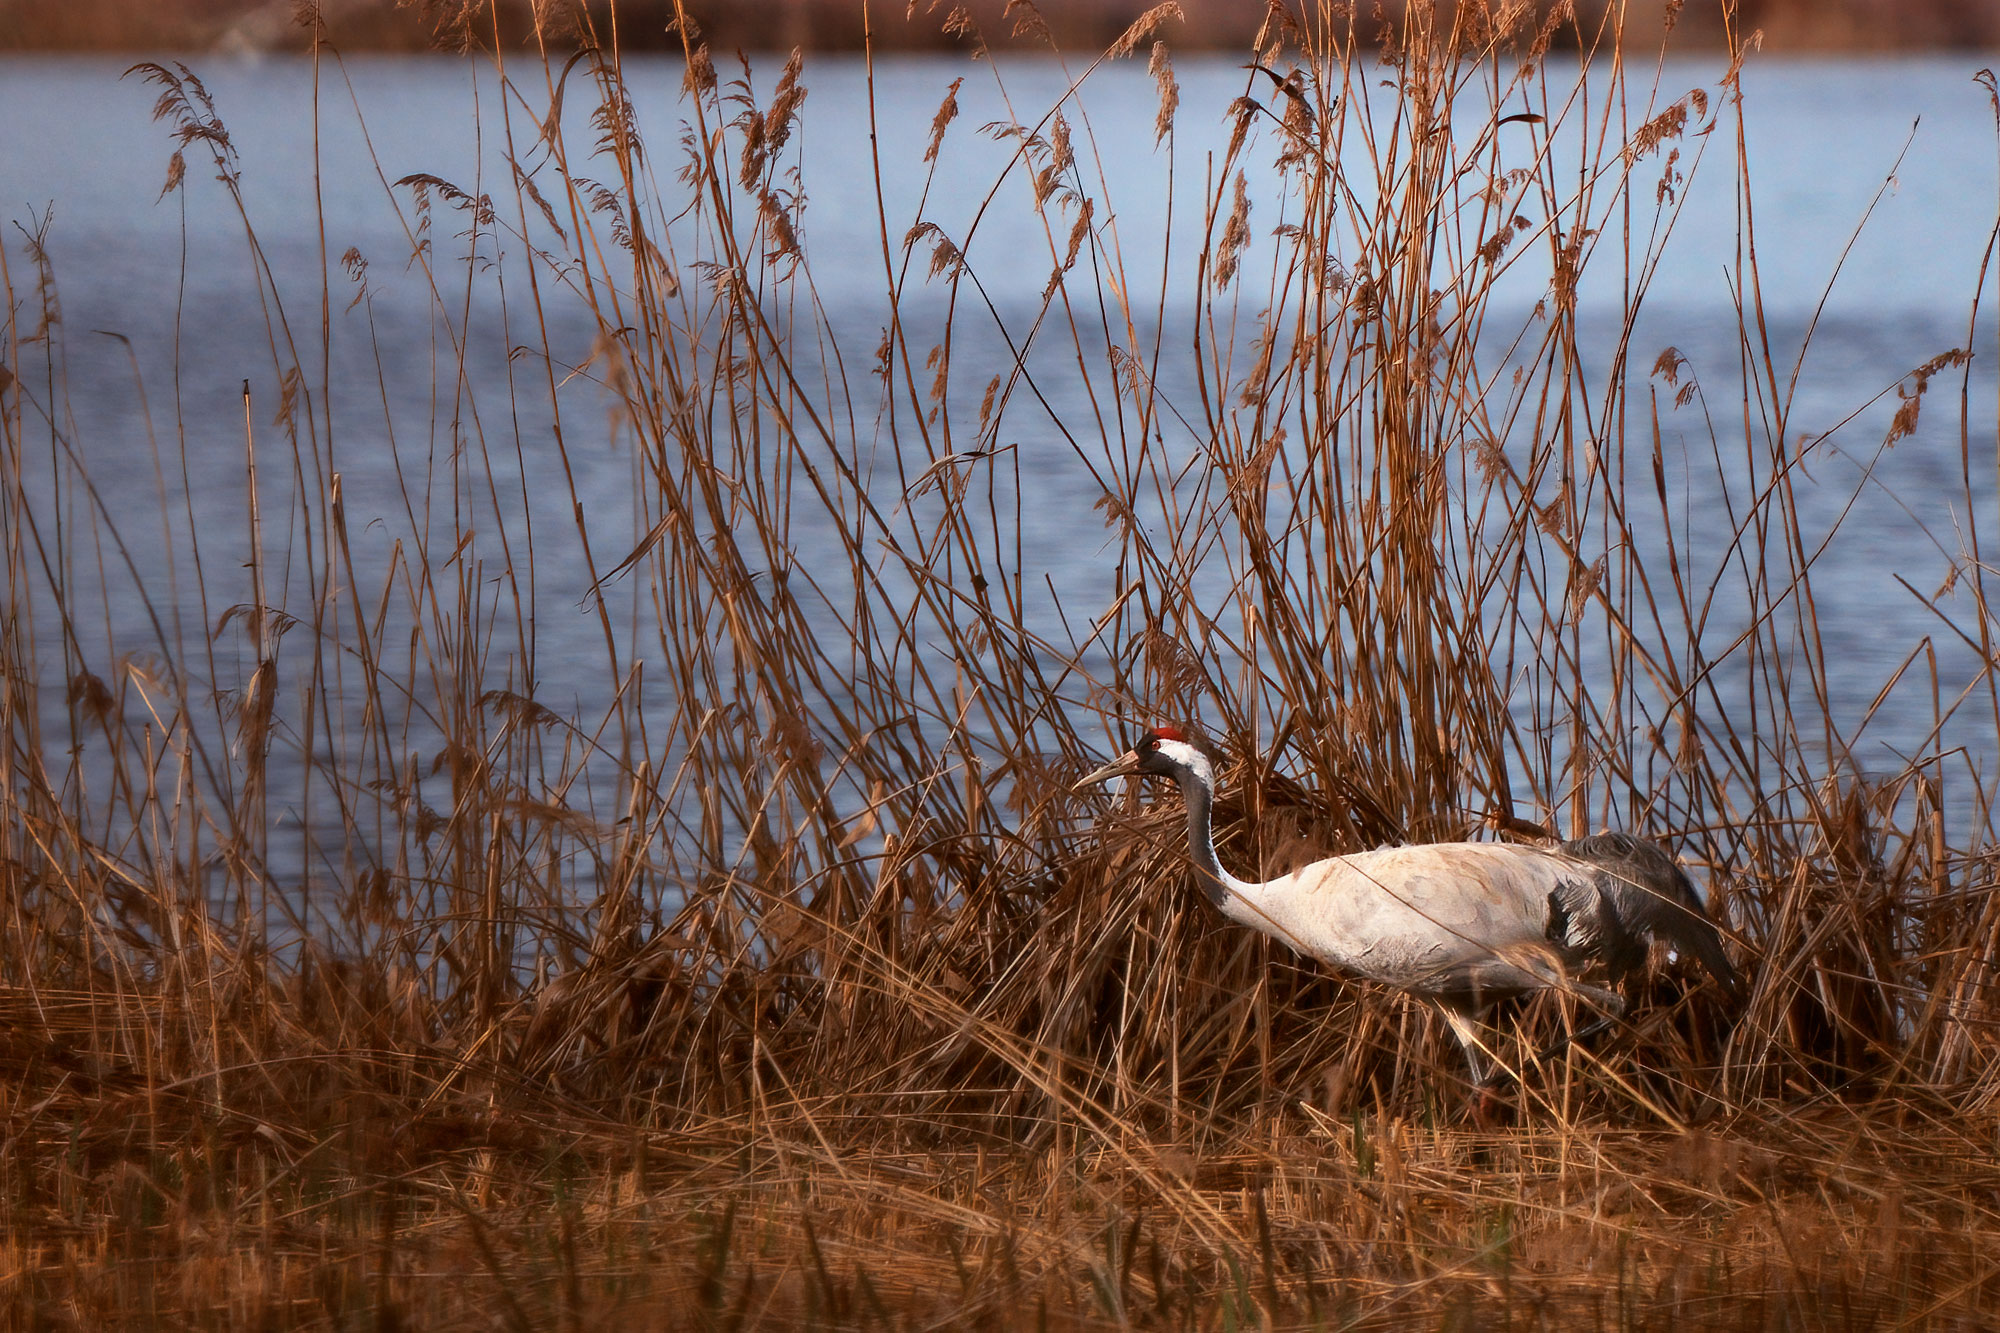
point(366, 964)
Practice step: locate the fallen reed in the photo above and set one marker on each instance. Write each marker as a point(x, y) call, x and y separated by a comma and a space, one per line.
point(368, 960)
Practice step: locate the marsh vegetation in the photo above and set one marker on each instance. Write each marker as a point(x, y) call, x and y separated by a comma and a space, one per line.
point(749, 963)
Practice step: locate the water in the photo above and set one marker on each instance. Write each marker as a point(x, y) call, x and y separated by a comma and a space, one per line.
point(174, 279)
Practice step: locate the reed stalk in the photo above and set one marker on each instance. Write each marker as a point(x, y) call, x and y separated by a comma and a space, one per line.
point(752, 964)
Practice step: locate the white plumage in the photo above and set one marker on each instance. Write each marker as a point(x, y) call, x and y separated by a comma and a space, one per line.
point(1461, 925)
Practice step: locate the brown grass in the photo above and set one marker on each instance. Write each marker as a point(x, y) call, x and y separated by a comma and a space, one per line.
point(783, 982)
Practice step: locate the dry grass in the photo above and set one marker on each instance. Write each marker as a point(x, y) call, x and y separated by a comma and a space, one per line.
point(781, 980)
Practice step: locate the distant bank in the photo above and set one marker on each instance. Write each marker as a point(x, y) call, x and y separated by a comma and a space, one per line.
point(248, 26)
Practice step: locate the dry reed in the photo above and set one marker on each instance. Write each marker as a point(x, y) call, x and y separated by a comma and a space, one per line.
point(785, 983)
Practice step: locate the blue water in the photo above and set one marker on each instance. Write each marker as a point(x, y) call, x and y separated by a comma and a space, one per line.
point(174, 278)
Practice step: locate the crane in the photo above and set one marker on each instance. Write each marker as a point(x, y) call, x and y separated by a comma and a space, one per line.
point(1460, 925)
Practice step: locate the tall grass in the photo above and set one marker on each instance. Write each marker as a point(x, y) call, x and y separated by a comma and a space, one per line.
point(755, 964)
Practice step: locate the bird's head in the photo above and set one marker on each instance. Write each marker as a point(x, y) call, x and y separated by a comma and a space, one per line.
point(1165, 752)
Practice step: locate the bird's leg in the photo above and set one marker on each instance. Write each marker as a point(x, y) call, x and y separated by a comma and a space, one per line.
point(1612, 1006)
point(1463, 1016)
point(1465, 1027)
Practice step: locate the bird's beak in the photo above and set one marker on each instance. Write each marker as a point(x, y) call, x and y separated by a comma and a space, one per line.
point(1117, 768)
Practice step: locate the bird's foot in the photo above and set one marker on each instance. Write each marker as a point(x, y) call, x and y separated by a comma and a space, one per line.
point(1490, 1105)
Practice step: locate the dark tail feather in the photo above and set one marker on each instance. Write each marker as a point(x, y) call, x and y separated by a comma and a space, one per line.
point(1656, 896)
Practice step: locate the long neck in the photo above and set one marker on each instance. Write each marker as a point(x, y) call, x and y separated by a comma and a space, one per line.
point(1236, 899)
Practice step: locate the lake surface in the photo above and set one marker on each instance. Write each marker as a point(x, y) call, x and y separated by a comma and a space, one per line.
point(171, 276)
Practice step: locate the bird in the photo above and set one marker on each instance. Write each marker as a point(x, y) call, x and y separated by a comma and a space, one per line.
point(1461, 926)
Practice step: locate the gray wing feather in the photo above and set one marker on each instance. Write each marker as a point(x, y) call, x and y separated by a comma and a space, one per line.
point(1585, 923)
point(1642, 890)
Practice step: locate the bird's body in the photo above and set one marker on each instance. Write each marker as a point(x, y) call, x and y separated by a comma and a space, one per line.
point(1438, 920)
point(1462, 925)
